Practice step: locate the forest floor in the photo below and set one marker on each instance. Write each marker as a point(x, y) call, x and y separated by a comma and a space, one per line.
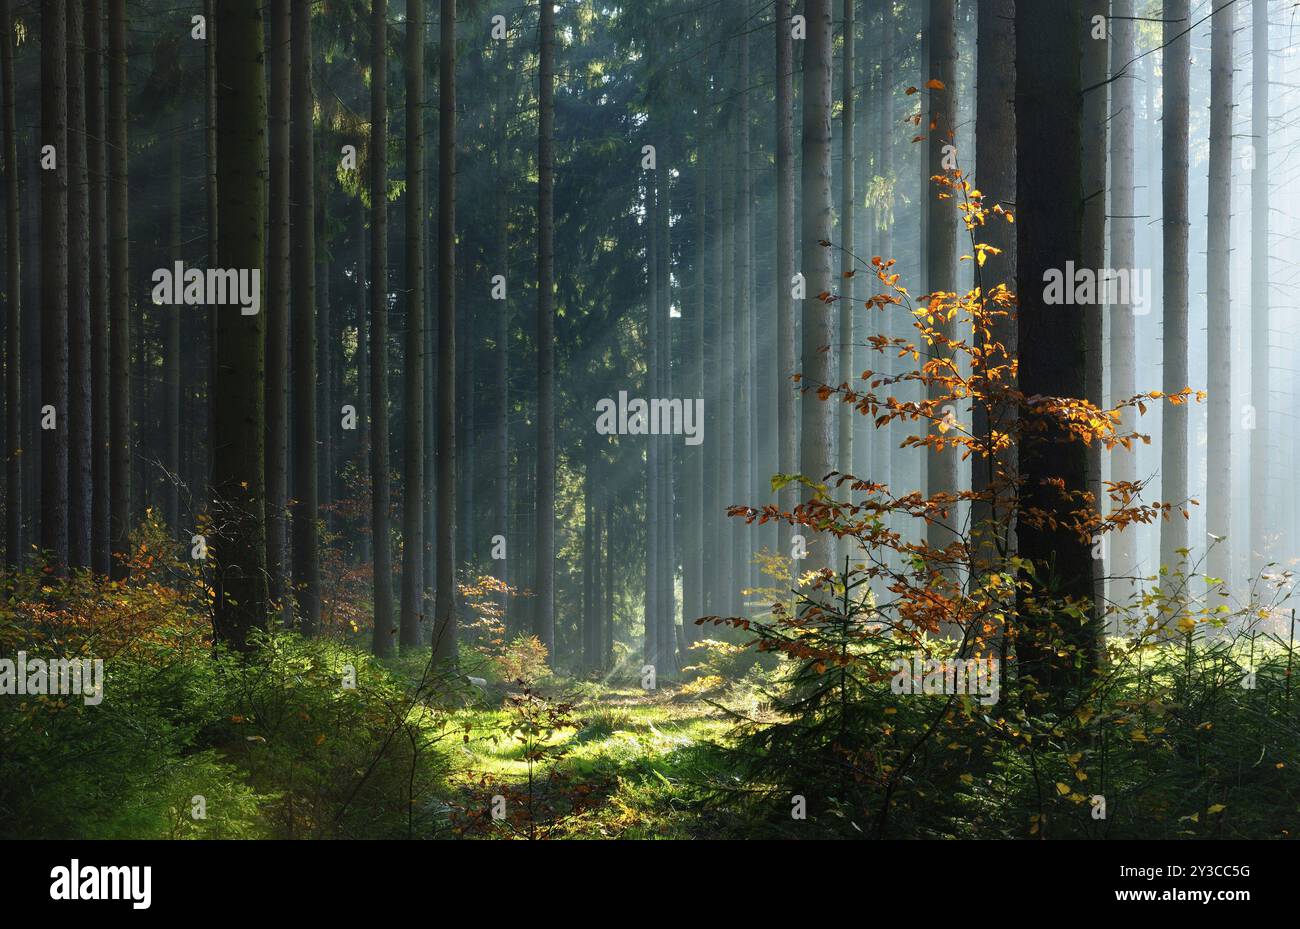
point(621, 766)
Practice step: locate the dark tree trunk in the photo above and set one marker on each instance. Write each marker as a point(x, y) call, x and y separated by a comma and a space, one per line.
point(13, 290)
point(412, 609)
point(96, 156)
point(171, 346)
point(1049, 221)
point(544, 620)
point(278, 310)
point(363, 369)
point(305, 505)
point(995, 163)
point(380, 492)
point(239, 485)
point(54, 281)
point(79, 405)
point(501, 334)
point(941, 238)
point(1094, 230)
point(444, 610)
point(119, 273)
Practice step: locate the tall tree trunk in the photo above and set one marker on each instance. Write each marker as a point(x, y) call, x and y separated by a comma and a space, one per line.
point(1049, 186)
point(501, 334)
point(78, 422)
point(1173, 451)
point(995, 163)
point(787, 436)
point(941, 240)
point(413, 493)
point(728, 562)
point(653, 522)
point(119, 276)
point(818, 359)
point(667, 626)
point(743, 382)
point(96, 155)
point(444, 610)
point(885, 437)
point(54, 280)
point(1123, 337)
point(1094, 227)
point(693, 547)
point(588, 612)
point(239, 491)
point(210, 150)
point(306, 544)
point(544, 619)
point(1219, 327)
point(363, 368)
point(1261, 526)
point(31, 339)
point(13, 291)
point(847, 305)
point(278, 310)
point(171, 344)
point(381, 500)
point(608, 643)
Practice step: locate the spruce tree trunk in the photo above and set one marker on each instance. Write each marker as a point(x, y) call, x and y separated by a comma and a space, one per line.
point(995, 162)
point(54, 281)
point(1095, 126)
point(729, 564)
point(895, 470)
point(363, 369)
point(302, 193)
point(941, 240)
point(119, 274)
point(1261, 524)
point(96, 156)
point(1049, 224)
point(444, 628)
point(239, 486)
point(667, 626)
point(848, 304)
point(653, 525)
point(693, 546)
point(818, 357)
point(1173, 452)
point(501, 334)
point(13, 290)
point(1094, 230)
point(787, 434)
point(1123, 336)
point(80, 487)
point(412, 611)
point(743, 383)
point(1218, 496)
point(544, 618)
point(380, 490)
point(278, 309)
point(171, 347)
point(210, 150)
